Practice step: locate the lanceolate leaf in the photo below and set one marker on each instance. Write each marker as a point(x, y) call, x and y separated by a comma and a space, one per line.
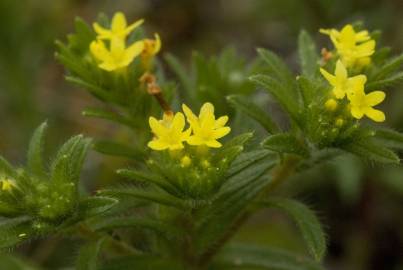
point(389, 138)
point(35, 161)
point(391, 66)
point(285, 143)
point(372, 151)
point(237, 255)
point(6, 169)
point(96, 205)
point(307, 222)
point(308, 56)
point(253, 111)
point(108, 115)
point(14, 231)
point(88, 255)
point(389, 81)
point(180, 71)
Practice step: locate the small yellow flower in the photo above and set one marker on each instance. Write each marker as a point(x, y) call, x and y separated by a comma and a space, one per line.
point(168, 132)
point(354, 48)
point(361, 104)
point(151, 48)
point(118, 56)
point(206, 129)
point(6, 184)
point(340, 81)
point(339, 122)
point(119, 28)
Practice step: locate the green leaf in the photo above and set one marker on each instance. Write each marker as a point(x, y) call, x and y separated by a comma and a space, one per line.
point(12, 262)
point(107, 224)
point(13, 231)
point(180, 71)
point(380, 84)
point(388, 68)
point(108, 115)
point(370, 150)
point(35, 161)
point(237, 255)
point(319, 157)
point(247, 159)
point(285, 143)
point(147, 195)
point(252, 110)
point(214, 221)
point(88, 255)
point(309, 89)
point(117, 149)
point(389, 138)
point(66, 167)
point(6, 169)
point(308, 56)
point(306, 221)
point(96, 205)
point(148, 178)
point(278, 89)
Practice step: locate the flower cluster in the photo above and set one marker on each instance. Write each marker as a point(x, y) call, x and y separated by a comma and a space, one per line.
point(205, 129)
point(110, 48)
point(354, 89)
point(6, 184)
point(354, 48)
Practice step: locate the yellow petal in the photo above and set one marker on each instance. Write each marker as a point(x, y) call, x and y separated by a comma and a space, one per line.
point(176, 146)
point(101, 31)
point(356, 112)
point(133, 26)
point(134, 50)
point(341, 71)
point(99, 51)
point(213, 144)
point(191, 117)
point(329, 77)
point(365, 49)
point(157, 46)
point(194, 140)
point(374, 98)
point(221, 121)
point(178, 123)
point(362, 36)
point(206, 109)
point(221, 132)
point(157, 145)
point(376, 115)
point(118, 22)
point(156, 127)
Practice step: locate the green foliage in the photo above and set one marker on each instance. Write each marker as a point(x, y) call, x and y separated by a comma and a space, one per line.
point(88, 255)
point(285, 143)
point(308, 55)
point(307, 222)
point(238, 256)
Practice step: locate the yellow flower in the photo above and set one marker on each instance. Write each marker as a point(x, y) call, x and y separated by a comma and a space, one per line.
point(331, 105)
point(6, 184)
point(151, 48)
point(340, 81)
point(206, 129)
point(168, 132)
point(361, 104)
point(119, 28)
point(118, 56)
point(354, 48)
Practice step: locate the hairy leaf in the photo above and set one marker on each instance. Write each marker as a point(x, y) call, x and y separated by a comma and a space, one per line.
point(307, 222)
point(35, 162)
point(285, 143)
point(238, 255)
point(88, 255)
point(253, 111)
point(308, 56)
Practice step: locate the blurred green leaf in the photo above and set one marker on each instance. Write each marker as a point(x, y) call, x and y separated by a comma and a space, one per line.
point(308, 55)
point(241, 103)
point(306, 221)
point(285, 143)
point(88, 255)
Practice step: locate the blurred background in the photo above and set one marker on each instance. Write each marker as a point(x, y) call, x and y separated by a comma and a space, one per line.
point(361, 205)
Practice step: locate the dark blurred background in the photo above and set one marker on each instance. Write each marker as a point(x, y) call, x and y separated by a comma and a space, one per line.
point(361, 205)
